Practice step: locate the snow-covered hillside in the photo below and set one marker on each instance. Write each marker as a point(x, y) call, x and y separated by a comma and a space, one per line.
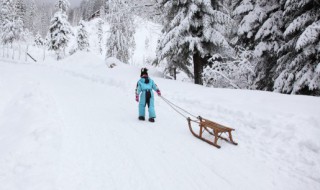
point(72, 125)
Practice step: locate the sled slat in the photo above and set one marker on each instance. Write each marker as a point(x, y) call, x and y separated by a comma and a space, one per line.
point(214, 129)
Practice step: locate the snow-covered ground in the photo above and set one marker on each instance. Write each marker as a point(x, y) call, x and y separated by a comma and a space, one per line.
point(72, 125)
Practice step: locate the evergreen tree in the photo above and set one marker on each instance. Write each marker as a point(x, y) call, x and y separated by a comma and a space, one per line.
point(21, 8)
point(11, 25)
point(260, 31)
point(192, 32)
point(82, 37)
point(31, 16)
point(298, 68)
point(59, 30)
point(63, 5)
point(120, 43)
point(38, 41)
point(47, 40)
point(100, 35)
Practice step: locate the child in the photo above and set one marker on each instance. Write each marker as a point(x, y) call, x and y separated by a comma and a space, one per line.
point(144, 88)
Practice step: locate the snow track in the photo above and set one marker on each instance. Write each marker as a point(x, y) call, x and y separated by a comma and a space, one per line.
point(73, 125)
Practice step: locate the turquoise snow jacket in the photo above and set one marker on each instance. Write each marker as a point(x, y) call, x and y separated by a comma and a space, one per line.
point(144, 88)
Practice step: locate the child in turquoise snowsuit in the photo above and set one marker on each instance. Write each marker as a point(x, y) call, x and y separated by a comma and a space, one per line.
point(144, 88)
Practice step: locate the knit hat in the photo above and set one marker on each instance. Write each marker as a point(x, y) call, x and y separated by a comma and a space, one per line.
point(144, 71)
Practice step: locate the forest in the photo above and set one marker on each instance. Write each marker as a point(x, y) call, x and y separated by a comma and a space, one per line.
point(269, 45)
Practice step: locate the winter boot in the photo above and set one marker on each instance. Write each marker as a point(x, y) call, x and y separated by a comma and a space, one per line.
point(141, 118)
point(151, 120)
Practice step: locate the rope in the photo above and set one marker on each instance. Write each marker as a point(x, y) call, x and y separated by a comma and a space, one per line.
point(177, 108)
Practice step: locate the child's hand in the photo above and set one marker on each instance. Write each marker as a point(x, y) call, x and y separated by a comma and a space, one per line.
point(137, 98)
point(158, 92)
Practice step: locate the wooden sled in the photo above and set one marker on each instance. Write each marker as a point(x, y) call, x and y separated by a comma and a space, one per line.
point(214, 129)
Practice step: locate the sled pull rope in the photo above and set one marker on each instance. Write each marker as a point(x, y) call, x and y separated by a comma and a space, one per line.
point(177, 108)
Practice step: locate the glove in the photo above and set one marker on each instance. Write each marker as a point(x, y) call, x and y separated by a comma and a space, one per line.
point(137, 98)
point(158, 92)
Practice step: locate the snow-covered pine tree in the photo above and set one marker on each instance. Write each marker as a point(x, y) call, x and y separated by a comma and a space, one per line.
point(260, 30)
point(63, 5)
point(192, 32)
point(298, 68)
point(100, 35)
point(38, 40)
point(82, 37)
point(21, 8)
point(59, 30)
point(11, 25)
point(31, 16)
point(120, 43)
point(47, 40)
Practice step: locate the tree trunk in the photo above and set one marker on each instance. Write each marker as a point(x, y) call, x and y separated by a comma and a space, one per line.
point(198, 68)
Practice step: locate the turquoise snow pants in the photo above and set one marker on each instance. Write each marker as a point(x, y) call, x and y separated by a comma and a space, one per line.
point(147, 98)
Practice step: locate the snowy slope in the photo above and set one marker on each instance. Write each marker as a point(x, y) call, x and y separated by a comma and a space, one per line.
point(72, 125)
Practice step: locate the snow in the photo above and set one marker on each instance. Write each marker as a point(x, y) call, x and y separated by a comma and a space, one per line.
point(145, 30)
point(73, 124)
point(309, 36)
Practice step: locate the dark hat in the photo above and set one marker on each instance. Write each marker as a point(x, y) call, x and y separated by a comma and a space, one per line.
point(144, 71)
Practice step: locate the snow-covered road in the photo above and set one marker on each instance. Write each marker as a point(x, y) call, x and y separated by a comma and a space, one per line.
point(73, 125)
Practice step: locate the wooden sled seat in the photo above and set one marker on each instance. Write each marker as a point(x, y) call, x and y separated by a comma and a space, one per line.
point(214, 129)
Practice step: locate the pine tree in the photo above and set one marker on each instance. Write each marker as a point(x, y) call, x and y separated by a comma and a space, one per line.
point(192, 32)
point(120, 43)
point(100, 34)
point(38, 41)
point(260, 31)
point(59, 30)
point(21, 8)
point(298, 68)
point(31, 16)
point(11, 25)
point(47, 40)
point(82, 37)
point(63, 5)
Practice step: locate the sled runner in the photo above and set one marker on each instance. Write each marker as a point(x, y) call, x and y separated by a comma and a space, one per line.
point(213, 129)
